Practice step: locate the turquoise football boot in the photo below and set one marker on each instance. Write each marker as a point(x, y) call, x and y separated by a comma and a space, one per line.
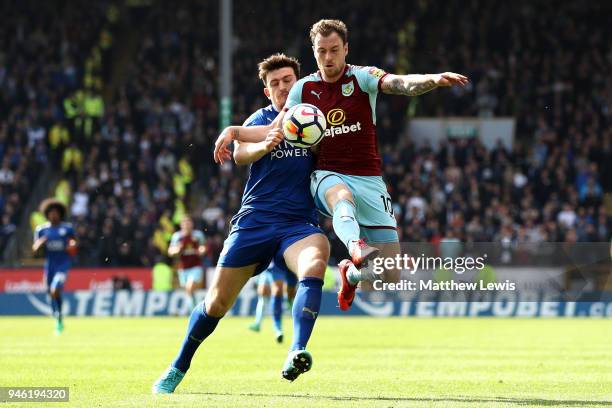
point(169, 380)
point(255, 327)
point(59, 327)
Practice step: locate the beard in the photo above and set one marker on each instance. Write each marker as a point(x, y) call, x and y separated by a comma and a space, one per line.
point(332, 71)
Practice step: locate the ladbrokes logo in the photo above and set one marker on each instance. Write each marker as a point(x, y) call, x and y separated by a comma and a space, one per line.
point(336, 118)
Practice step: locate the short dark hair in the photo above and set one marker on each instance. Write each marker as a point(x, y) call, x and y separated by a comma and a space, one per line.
point(51, 204)
point(326, 26)
point(277, 61)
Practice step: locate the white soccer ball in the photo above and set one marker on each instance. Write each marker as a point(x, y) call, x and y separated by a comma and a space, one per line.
point(304, 125)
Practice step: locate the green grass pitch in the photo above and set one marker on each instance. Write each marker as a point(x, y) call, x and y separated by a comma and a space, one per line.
point(362, 362)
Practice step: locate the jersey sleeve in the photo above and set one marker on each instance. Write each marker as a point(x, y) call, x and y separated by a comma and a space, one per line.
point(176, 238)
point(199, 237)
point(295, 94)
point(70, 231)
point(38, 232)
point(369, 78)
point(256, 119)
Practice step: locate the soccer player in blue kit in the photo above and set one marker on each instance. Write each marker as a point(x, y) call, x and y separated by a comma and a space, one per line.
point(57, 237)
point(277, 220)
point(270, 285)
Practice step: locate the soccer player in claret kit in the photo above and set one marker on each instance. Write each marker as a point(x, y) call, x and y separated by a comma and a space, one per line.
point(188, 244)
point(347, 184)
point(277, 221)
point(57, 238)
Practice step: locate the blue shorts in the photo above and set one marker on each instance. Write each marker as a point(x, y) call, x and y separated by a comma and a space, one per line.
point(263, 243)
point(195, 274)
point(373, 206)
point(55, 275)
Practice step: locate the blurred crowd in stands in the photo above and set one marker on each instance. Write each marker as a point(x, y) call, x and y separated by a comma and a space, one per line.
point(131, 167)
point(44, 55)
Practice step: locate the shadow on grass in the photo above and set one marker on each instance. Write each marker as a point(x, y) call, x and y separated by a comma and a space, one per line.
point(517, 401)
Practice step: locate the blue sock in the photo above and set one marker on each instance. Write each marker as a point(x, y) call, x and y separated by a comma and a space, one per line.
point(277, 312)
point(305, 311)
point(200, 327)
point(344, 222)
point(58, 305)
point(53, 305)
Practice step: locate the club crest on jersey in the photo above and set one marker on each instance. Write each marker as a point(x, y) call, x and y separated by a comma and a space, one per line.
point(376, 72)
point(62, 231)
point(347, 89)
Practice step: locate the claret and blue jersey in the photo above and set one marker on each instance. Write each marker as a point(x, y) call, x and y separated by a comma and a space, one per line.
point(349, 105)
point(348, 154)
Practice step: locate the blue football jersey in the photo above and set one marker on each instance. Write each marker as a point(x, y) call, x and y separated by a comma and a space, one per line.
point(57, 241)
point(278, 188)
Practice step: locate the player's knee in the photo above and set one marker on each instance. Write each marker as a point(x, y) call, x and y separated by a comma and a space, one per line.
point(345, 194)
point(277, 288)
point(338, 193)
point(217, 308)
point(264, 291)
point(291, 293)
point(391, 250)
point(391, 275)
point(315, 268)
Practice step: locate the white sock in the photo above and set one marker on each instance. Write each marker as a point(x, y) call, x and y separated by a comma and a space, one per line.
point(353, 275)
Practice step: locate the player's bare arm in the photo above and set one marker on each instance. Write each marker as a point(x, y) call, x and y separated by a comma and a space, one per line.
point(250, 134)
point(246, 153)
point(416, 84)
point(174, 250)
point(38, 243)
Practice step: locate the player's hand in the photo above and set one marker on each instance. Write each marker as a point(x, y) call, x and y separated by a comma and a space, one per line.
point(274, 137)
point(222, 153)
point(278, 121)
point(450, 79)
point(72, 248)
point(180, 247)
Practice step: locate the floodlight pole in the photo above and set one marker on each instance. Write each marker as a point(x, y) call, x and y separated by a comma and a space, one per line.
point(225, 72)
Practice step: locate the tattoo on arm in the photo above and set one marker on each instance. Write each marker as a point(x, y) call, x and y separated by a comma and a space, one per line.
point(235, 134)
point(411, 85)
